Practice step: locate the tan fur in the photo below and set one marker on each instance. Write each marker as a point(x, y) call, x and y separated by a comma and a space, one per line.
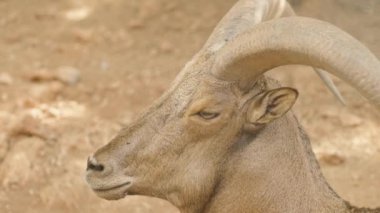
point(207, 145)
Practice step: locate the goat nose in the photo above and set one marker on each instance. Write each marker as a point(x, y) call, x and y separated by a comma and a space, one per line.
point(93, 165)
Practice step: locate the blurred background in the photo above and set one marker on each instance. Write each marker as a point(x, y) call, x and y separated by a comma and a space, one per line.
point(73, 72)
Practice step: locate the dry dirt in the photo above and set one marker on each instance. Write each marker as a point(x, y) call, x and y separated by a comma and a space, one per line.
point(73, 72)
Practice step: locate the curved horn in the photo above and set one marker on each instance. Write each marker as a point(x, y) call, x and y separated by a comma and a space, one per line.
point(297, 40)
point(242, 16)
point(321, 73)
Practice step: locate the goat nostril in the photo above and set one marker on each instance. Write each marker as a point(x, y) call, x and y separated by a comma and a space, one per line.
point(94, 166)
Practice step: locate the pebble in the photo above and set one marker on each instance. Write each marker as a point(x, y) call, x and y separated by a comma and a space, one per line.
point(68, 75)
point(27, 103)
point(41, 75)
point(332, 159)
point(77, 14)
point(350, 120)
point(32, 126)
point(46, 92)
point(135, 24)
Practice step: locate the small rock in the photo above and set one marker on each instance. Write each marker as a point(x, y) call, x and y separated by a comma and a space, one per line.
point(77, 14)
point(46, 92)
point(31, 126)
point(40, 92)
point(350, 120)
point(332, 159)
point(56, 88)
point(136, 24)
point(68, 75)
point(41, 75)
point(65, 74)
point(6, 79)
point(27, 103)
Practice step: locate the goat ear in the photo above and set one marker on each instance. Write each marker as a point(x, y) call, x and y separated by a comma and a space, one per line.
point(269, 106)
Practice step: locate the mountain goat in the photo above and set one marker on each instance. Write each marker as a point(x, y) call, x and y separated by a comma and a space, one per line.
point(222, 138)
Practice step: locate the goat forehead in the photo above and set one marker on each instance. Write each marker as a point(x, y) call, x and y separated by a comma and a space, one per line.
point(172, 102)
point(204, 88)
point(194, 78)
point(181, 94)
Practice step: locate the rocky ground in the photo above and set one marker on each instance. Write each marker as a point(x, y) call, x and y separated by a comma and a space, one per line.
point(72, 73)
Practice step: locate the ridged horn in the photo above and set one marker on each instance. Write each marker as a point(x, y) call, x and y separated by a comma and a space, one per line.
point(244, 15)
point(297, 40)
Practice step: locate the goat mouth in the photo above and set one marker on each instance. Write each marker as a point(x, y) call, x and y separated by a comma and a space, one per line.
point(105, 189)
point(113, 192)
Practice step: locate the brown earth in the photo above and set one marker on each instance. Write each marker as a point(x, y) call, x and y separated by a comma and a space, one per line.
point(73, 72)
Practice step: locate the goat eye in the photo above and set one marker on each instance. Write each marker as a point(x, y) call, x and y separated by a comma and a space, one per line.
point(208, 115)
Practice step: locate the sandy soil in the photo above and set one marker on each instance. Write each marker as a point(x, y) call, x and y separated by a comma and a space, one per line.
point(73, 72)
